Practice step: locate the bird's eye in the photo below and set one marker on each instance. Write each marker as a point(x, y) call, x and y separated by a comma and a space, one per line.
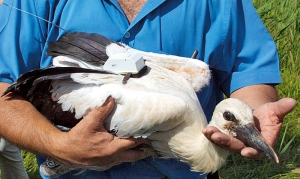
point(229, 116)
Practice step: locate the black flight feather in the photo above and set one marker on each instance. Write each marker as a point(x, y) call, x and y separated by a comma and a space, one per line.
point(90, 48)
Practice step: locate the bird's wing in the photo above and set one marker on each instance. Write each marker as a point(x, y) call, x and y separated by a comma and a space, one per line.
point(65, 94)
point(140, 108)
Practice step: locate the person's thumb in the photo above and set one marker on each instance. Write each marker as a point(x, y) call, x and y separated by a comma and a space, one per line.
point(94, 119)
point(285, 105)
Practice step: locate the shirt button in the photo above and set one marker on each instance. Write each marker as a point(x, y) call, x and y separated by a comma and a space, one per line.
point(127, 35)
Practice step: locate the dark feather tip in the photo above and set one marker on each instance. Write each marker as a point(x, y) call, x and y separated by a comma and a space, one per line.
point(11, 88)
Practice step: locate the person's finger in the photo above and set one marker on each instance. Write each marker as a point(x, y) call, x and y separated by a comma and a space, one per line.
point(208, 131)
point(284, 106)
point(251, 153)
point(230, 143)
point(128, 143)
point(131, 149)
point(94, 119)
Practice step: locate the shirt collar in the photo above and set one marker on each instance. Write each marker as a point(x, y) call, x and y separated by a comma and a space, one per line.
point(148, 7)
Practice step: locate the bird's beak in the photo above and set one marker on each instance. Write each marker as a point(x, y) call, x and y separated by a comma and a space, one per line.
point(251, 137)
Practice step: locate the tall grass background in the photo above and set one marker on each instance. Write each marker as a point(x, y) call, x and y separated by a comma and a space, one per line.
point(282, 18)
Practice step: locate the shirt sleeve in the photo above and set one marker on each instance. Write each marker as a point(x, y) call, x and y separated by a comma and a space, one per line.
point(249, 52)
point(22, 37)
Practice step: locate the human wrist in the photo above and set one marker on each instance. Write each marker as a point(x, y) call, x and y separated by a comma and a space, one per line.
point(60, 148)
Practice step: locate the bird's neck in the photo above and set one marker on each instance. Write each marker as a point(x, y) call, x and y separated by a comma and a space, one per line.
point(215, 157)
point(206, 156)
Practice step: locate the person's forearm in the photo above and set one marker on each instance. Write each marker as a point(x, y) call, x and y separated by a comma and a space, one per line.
point(23, 125)
point(256, 95)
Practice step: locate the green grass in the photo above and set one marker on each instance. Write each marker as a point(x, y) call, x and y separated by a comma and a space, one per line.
point(282, 20)
point(31, 165)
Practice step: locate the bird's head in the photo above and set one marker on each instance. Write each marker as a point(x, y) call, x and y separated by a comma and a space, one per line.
point(234, 117)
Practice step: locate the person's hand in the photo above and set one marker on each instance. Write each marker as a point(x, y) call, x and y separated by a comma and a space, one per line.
point(268, 119)
point(89, 143)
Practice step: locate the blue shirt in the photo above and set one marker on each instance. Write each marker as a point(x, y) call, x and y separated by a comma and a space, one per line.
point(228, 35)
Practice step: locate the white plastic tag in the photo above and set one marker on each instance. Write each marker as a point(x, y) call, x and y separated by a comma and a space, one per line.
point(125, 62)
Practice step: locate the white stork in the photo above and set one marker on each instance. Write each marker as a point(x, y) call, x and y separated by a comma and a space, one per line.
point(160, 104)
